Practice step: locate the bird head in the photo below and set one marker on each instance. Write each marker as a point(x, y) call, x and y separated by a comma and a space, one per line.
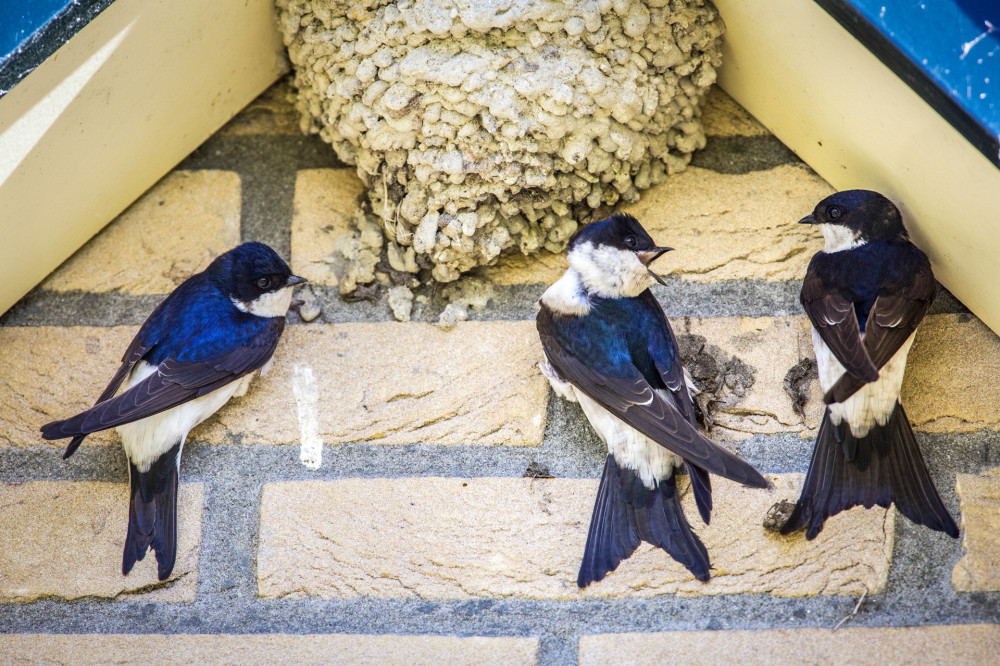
point(612, 257)
point(255, 279)
point(854, 217)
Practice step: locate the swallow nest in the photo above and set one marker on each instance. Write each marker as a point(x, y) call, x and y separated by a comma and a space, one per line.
point(479, 126)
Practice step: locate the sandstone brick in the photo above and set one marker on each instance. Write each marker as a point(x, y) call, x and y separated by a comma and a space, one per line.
point(731, 227)
point(514, 268)
point(755, 354)
point(474, 385)
point(722, 226)
point(436, 538)
point(65, 539)
point(265, 649)
point(49, 373)
point(979, 568)
point(273, 112)
point(453, 388)
point(951, 644)
point(172, 231)
point(325, 202)
point(722, 116)
point(951, 375)
point(949, 384)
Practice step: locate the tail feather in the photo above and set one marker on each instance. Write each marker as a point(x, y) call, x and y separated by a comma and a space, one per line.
point(923, 504)
point(624, 516)
point(701, 486)
point(152, 513)
point(883, 467)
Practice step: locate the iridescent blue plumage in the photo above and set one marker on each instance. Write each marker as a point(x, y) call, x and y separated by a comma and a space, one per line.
point(608, 346)
point(195, 351)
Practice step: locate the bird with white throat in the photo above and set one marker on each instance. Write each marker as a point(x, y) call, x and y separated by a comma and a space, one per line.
point(609, 347)
point(200, 347)
point(865, 293)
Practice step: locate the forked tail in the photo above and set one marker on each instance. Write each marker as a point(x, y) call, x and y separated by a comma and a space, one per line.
point(627, 513)
point(883, 467)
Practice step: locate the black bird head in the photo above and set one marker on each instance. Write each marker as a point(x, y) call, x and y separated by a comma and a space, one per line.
point(613, 256)
point(853, 217)
point(254, 277)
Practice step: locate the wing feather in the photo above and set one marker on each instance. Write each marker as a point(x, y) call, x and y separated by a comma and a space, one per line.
point(893, 319)
point(634, 401)
point(173, 383)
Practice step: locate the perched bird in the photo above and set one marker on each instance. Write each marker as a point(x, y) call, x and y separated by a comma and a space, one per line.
point(196, 350)
point(609, 347)
point(865, 292)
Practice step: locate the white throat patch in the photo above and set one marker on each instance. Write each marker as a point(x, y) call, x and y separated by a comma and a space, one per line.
point(566, 295)
point(610, 272)
point(271, 304)
point(839, 238)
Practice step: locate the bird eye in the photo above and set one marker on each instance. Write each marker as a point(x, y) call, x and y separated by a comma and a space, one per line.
point(833, 212)
point(263, 282)
point(631, 241)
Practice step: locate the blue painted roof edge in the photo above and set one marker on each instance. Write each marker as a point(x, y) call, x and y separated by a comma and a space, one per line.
point(47, 40)
point(916, 78)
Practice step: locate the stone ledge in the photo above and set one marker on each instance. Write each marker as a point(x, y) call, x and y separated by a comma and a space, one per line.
point(437, 538)
point(65, 539)
point(266, 649)
point(951, 644)
point(979, 503)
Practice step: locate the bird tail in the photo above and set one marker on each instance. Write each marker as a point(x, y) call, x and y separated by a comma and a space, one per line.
point(883, 467)
point(627, 513)
point(152, 514)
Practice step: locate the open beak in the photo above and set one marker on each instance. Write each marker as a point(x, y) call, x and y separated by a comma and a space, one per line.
point(294, 280)
point(808, 219)
point(650, 256)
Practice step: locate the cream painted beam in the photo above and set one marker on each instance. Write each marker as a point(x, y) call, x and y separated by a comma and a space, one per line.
point(851, 119)
point(115, 108)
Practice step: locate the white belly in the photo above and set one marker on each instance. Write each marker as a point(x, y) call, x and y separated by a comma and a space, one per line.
point(631, 449)
point(874, 402)
point(148, 439)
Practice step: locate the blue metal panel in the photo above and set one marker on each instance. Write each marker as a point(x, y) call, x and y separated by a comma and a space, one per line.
point(32, 30)
point(19, 19)
point(948, 51)
point(957, 42)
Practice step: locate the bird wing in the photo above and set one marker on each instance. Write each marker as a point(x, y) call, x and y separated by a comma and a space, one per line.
point(634, 401)
point(893, 319)
point(663, 351)
point(138, 348)
point(173, 383)
point(834, 319)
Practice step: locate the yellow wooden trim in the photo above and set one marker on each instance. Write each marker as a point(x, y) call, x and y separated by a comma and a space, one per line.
point(859, 126)
point(114, 109)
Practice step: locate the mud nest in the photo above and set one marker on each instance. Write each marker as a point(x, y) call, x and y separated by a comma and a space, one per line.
point(480, 127)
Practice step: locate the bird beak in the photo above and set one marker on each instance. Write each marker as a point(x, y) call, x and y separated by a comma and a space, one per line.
point(808, 219)
point(294, 280)
point(650, 256)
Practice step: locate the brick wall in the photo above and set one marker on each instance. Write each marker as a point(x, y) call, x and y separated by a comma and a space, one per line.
point(418, 538)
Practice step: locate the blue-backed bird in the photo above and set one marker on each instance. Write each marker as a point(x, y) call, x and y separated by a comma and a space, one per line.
point(865, 292)
point(200, 347)
point(609, 347)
